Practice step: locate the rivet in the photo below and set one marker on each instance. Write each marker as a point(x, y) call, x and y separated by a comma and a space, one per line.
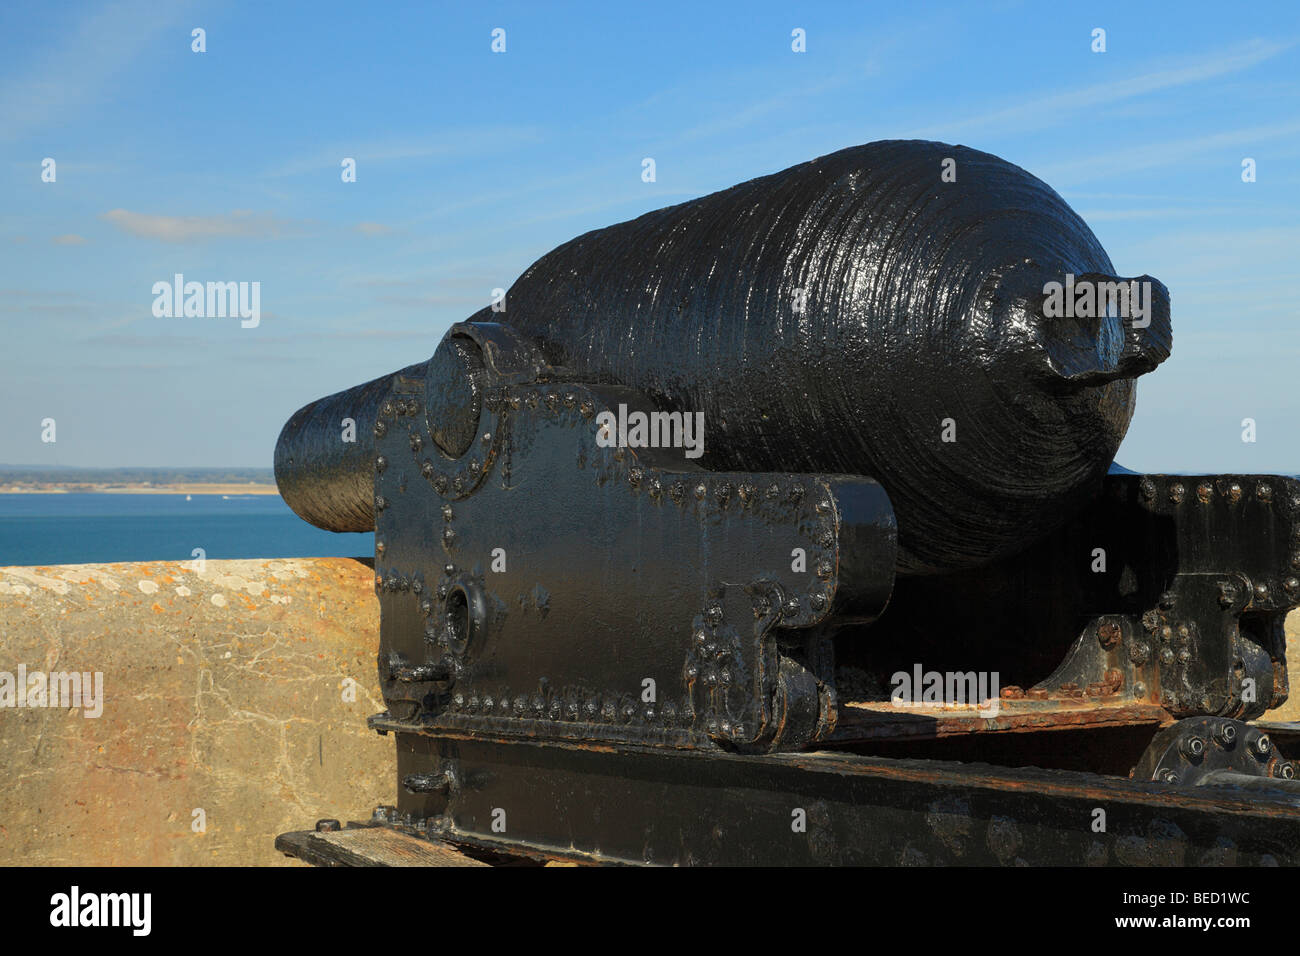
point(824, 569)
point(446, 512)
point(1234, 491)
point(448, 535)
point(1264, 492)
point(426, 469)
point(701, 490)
point(381, 429)
point(587, 409)
point(1203, 492)
point(635, 475)
point(656, 488)
point(380, 502)
point(381, 463)
point(569, 399)
point(440, 484)
point(818, 601)
point(380, 547)
point(1147, 487)
point(487, 438)
point(1176, 492)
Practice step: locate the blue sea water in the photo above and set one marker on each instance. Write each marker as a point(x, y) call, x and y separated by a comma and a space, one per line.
point(90, 528)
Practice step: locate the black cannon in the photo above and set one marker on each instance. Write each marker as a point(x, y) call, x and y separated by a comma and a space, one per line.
point(728, 483)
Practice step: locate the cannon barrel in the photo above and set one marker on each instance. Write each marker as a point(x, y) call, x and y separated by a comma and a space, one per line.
point(324, 457)
point(880, 311)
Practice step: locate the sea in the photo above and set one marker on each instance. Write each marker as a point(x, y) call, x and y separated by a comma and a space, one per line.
point(93, 528)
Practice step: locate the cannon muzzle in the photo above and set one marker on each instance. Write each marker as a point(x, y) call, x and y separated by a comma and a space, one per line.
point(324, 457)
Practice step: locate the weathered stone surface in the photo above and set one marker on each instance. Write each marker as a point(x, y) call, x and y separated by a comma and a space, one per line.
point(1291, 709)
point(224, 691)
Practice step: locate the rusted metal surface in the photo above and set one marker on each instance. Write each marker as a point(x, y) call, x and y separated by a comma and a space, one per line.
point(223, 692)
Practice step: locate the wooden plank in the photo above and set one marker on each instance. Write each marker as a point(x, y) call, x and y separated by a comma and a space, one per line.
point(370, 846)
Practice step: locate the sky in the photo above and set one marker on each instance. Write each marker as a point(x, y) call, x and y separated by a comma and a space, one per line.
point(225, 165)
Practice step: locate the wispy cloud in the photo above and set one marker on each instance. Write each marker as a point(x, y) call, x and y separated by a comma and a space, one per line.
point(1070, 105)
point(69, 240)
point(462, 143)
point(240, 224)
point(82, 68)
point(1109, 161)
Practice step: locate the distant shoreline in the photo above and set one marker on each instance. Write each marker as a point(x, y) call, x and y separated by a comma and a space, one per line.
point(180, 488)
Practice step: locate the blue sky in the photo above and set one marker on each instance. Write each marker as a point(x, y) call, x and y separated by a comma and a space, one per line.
point(225, 165)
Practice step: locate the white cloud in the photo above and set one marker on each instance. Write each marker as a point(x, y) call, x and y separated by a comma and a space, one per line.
point(240, 224)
